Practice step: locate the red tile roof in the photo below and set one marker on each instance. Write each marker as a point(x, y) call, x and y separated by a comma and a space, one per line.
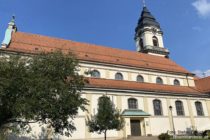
point(203, 84)
point(132, 85)
point(31, 43)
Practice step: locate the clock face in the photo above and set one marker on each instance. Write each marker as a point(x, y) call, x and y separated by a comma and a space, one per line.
point(154, 30)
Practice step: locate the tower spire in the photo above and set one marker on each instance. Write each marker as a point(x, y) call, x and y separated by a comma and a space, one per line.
point(149, 36)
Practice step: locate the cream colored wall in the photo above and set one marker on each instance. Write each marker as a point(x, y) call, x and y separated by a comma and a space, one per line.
point(108, 72)
point(182, 124)
point(42, 132)
point(191, 82)
point(81, 128)
point(153, 124)
point(159, 125)
point(127, 127)
point(202, 123)
point(110, 133)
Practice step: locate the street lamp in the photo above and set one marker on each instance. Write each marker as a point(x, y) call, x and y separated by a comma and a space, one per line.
point(174, 132)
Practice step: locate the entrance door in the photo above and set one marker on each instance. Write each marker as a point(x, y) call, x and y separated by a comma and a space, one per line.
point(135, 128)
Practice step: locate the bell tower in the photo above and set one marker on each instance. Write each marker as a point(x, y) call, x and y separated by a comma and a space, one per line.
point(149, 36)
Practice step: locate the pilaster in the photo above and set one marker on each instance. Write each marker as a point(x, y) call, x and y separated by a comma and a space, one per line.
point(150, 78)
point(119, 106)
point(129, 76)
point(88, 114)
point(107, 74)
point(208, 107)
point(192, 119)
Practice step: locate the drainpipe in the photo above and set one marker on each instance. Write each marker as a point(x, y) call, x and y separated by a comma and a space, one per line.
point(187, 80)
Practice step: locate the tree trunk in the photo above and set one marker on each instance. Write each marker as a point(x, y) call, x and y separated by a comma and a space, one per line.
point(105, 134)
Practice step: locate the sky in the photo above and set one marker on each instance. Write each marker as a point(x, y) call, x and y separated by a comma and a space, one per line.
point(185, 23)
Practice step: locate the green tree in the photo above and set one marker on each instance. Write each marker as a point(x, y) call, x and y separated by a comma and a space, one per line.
point(43, 88)
point(107, 117)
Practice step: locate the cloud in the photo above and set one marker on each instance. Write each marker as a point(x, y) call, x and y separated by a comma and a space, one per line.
point(201, 73)
point(202, 7)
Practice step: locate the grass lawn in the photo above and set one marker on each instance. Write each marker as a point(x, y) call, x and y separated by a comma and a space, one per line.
point(189, 139)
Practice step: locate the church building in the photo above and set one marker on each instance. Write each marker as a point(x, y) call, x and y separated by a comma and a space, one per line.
point(155, 95)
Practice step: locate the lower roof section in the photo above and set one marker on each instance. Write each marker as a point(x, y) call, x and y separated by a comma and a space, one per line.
point(203, 84)
point(138, 86)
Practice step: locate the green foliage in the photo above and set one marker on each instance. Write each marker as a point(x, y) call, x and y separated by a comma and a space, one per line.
point(107, 117)
point(164, 136)
point(42, 88)
point(208, 135)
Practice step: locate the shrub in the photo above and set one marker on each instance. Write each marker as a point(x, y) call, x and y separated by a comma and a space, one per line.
point(164, 136)
point(206, 133)
point(209, 135)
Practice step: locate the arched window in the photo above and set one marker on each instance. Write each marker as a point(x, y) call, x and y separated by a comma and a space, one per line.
point(159, 80)
point(118, 76)
point(199, 108)
point(140, 78)
point(95, 74)
point(155, 41)
point(179, 108)
point(157, 107)
point(176, 82)
point(132, 103)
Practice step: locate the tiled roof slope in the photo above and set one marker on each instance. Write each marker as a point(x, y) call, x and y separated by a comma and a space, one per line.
point(25, 42)
point(131, 85)
point(203, 84)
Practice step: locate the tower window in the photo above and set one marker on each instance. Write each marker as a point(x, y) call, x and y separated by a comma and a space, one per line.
point(141, 43)
point(159, 80)
point(155, 41)
point(95, 74)
point(132, 103)
point(176, 82)
point(140, 78)
point(118, 76)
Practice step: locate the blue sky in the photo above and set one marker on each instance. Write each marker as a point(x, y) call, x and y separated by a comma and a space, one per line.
point(185, 23)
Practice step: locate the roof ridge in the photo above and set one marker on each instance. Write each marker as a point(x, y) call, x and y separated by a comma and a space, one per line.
point(107, 47)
